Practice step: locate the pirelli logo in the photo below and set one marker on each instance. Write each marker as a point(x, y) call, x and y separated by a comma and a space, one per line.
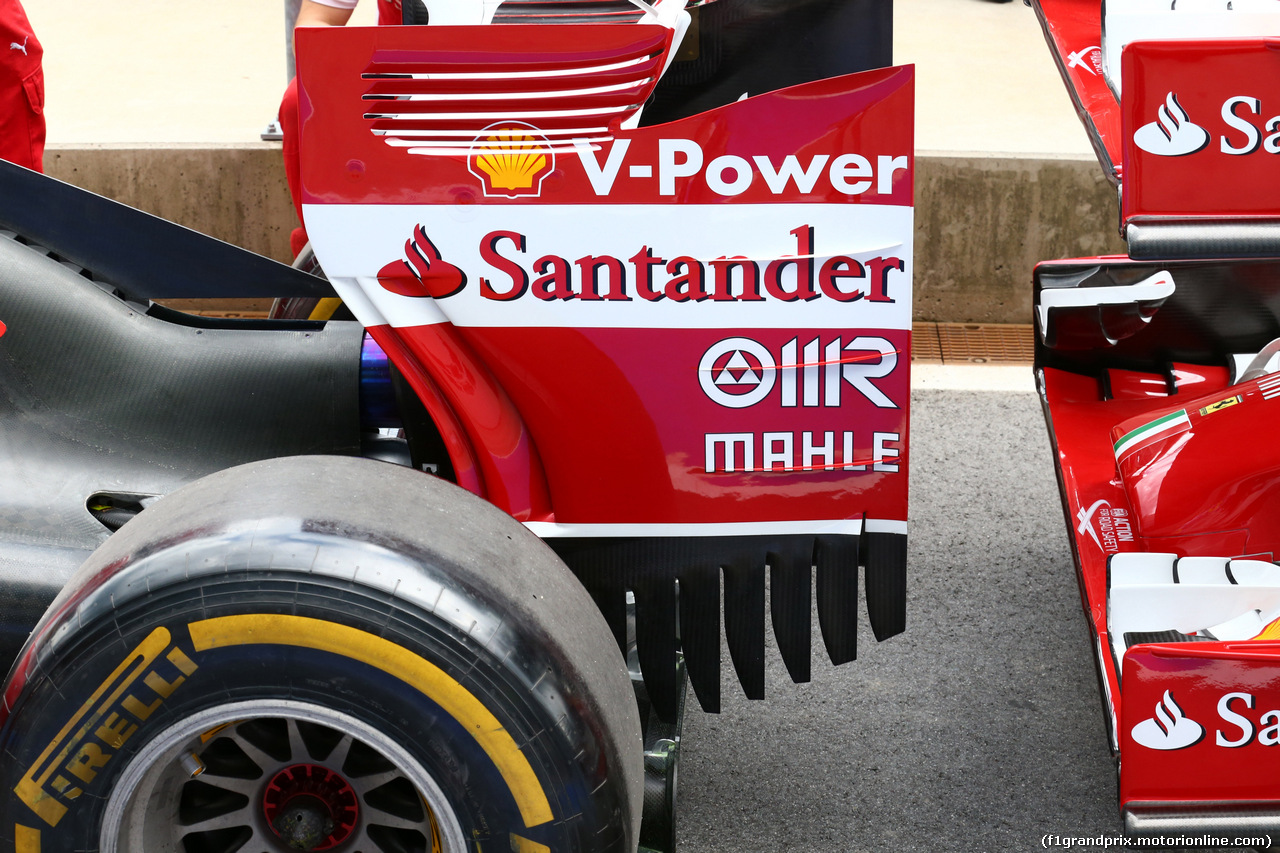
point(107, 719)
point(1220, 405)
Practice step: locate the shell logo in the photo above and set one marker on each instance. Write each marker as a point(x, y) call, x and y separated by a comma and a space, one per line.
point(511, 159)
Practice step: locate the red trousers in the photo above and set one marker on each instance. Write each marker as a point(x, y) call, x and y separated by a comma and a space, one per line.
point(21, 89)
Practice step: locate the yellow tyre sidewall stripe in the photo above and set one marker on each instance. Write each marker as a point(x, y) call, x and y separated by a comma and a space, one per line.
point(26, 839)
point(412, 669)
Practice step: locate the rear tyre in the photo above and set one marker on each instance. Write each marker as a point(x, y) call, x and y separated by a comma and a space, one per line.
point(268, 661)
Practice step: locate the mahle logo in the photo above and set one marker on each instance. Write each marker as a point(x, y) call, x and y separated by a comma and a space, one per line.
point(1173, 133)
point(511, 159)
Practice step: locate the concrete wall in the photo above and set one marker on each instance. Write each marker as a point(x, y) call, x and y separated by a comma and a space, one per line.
point(236, 193)
point(982, 222)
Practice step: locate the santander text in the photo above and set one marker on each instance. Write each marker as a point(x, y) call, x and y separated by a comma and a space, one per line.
point(652, 277)
point(1241, 731)
point(1243, 113)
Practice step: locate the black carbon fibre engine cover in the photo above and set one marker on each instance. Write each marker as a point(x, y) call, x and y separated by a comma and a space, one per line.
point(98, 396)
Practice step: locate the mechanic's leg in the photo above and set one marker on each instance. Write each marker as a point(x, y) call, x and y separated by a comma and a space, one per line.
point(22, 130)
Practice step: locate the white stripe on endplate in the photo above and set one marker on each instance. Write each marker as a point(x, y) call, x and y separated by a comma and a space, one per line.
point(844, 527)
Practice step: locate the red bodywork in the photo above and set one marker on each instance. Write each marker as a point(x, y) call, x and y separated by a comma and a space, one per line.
point(1226, 116)
point(602, 333)
point(1073, 29)
point(1165, 459)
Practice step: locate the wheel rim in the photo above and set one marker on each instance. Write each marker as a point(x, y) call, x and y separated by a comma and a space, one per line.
point(269, 776)
point(310, 806)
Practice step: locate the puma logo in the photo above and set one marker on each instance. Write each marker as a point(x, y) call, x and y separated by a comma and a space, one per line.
point(13, 45)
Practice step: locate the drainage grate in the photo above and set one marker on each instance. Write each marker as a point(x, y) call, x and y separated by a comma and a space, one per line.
point(971, 343)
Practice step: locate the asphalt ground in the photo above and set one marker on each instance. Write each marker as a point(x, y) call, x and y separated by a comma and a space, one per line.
point(980, 729)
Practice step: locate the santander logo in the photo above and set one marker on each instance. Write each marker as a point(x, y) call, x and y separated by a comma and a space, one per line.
point(508, 272)
point(1240, 723)
point(1173, 134)
point(422, 272)
point(1169, 729)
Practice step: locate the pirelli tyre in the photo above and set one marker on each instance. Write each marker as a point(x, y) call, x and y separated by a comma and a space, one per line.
point(320, 654)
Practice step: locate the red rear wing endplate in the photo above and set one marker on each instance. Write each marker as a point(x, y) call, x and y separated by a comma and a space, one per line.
point(675, 352)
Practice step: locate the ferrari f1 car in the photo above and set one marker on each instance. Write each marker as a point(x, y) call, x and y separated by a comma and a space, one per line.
point(432, 580)
point(1159, 378)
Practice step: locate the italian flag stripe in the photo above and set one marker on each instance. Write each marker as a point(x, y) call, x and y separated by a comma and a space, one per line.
point(1172, 423)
